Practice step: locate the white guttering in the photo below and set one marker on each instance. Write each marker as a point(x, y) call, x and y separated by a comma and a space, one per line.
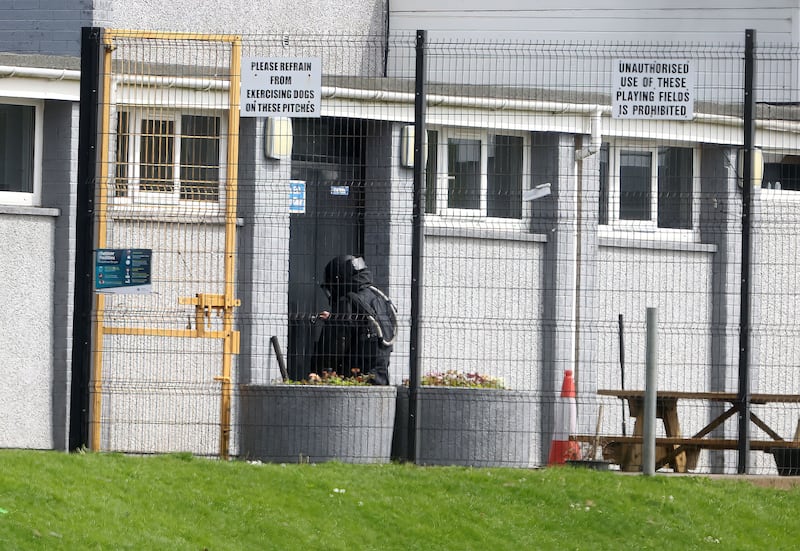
point(8, 71)
point(193, 83)
point(436, 100)
point(333, 92)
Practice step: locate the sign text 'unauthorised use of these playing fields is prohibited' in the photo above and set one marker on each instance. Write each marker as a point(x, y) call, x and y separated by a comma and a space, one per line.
point(653, 89)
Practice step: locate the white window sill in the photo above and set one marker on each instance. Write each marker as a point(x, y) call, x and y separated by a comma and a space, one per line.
point(480, 228)
point(787, 195)
point(30, 211)
point(176, 216)
point(652, 241)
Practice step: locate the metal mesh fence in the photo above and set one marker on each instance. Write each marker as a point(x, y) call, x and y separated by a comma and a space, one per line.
point(562, 197)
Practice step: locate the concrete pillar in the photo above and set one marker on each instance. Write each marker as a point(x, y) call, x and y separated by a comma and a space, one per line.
point(387, 231)
point(568, 217)
point(720, 215)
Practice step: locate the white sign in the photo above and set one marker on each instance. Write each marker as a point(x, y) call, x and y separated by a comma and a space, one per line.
point(653, 89)
point(281, 87)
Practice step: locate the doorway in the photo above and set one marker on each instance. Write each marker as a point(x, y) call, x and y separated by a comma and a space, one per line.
point(327, 157)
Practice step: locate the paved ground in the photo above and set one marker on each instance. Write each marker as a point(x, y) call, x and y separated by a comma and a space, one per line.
point(766, 481)
point(779, 482)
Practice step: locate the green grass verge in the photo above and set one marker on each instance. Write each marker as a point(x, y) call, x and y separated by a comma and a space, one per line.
point(52, 500)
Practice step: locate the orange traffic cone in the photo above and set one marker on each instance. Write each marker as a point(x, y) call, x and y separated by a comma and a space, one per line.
point(562, 448)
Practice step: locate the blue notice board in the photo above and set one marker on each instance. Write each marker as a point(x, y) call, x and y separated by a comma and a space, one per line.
point(122, 271)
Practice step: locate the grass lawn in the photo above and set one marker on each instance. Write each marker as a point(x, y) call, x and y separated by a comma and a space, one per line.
point(53, 500)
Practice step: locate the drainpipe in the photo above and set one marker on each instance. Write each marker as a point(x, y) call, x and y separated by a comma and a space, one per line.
point(581, 153)
point(596, 141)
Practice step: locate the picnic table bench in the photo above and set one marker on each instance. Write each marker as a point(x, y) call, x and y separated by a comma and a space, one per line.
point(675, 450)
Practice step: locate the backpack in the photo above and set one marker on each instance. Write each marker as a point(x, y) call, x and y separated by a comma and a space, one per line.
point(380, 313)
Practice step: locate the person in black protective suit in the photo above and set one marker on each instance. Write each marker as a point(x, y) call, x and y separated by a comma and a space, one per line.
point(350, 341)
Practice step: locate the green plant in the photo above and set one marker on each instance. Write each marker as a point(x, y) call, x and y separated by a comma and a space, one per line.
point(460, 379)
point(331, 378)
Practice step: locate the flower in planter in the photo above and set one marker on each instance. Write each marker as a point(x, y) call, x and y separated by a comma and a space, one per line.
point(331, 378)
point(461, 379)
point(573, 454)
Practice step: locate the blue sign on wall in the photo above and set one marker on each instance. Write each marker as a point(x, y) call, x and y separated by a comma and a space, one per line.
point(122, 271)
point(297, 197)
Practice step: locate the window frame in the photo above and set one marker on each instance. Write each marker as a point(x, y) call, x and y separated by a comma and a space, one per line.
point(131, 180)
point(440, 204)
point(29, 198)
point(613, 197)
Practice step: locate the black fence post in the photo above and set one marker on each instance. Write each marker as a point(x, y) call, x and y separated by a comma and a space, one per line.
point(416, 241)
point(744, 321)
point(84, 238)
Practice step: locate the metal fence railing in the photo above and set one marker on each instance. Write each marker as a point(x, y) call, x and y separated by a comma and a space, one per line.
point(564, 189)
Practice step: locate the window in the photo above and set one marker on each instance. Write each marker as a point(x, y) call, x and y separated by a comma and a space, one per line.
point(475, 174)
point(781, 172)
point(20, 153)
point(169, 158)
point(647, 186)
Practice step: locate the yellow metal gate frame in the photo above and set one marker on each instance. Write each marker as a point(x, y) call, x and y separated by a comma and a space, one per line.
point(205, 304)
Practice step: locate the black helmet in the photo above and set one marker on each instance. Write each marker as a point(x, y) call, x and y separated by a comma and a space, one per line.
point(345, 274)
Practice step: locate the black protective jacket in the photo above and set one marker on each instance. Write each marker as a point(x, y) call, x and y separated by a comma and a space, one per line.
point(346, 343)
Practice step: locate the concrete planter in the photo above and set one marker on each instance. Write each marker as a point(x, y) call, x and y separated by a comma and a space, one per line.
point(316, 423)
point(594, 464)
point(787, 460)
point(470, 426)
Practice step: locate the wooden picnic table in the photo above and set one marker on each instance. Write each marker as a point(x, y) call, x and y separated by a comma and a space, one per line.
point(675, 450)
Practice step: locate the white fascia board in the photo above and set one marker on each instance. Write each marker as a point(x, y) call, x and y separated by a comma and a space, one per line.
point(37, 83)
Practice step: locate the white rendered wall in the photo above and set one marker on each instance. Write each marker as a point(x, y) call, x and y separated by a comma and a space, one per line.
point(482, 308)
point(678, 285)
point(247, 17)
point(159, 393)
point(26, 325)
point(775, 307)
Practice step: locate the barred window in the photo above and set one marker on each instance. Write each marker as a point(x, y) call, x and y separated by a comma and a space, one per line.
point(168, 157)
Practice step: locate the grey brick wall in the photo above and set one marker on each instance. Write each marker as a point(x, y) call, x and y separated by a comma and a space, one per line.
point(59, 177)
point(48, 26)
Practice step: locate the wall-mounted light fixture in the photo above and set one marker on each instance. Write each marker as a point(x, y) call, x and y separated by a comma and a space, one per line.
point(407, 146)
point(278, 137)
point(757, 160)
